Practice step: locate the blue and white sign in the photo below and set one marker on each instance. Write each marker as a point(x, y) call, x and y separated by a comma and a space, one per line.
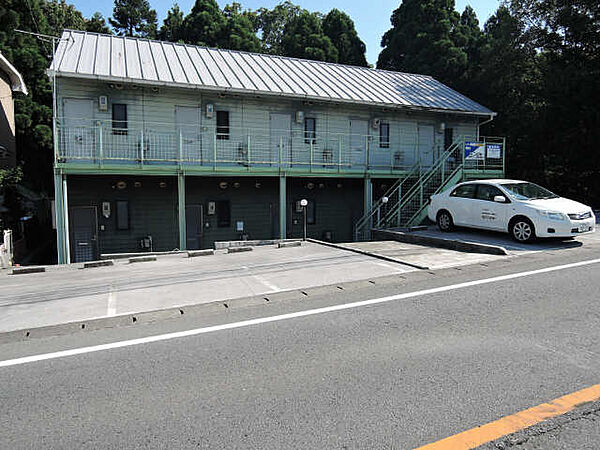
point(494, 151)
point(474, 151)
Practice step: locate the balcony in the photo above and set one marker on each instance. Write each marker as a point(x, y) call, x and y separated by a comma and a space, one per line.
point(164, 149)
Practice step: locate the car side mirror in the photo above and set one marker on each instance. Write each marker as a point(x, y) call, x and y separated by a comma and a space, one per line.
point(500, 199)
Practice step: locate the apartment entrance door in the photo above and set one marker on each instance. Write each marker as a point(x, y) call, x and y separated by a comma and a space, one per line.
point(83, 223)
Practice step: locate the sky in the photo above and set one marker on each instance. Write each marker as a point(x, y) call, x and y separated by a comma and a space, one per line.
point(371, 18)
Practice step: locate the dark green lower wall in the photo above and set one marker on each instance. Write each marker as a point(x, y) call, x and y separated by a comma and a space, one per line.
point(153, 211)
point(253, 201)
point(338, 205)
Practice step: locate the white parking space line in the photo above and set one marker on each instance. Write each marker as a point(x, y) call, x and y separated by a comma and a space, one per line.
point(111, 307)
point(266, 283)
point(277, 318)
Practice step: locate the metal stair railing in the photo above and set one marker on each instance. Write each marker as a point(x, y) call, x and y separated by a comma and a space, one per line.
point(372, 218)
point(431, 182)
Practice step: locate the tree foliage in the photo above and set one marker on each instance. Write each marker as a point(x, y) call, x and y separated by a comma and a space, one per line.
point(339, 28)
point(134, 18)
point(303, 37)
point(421, 40)
point(172, 28)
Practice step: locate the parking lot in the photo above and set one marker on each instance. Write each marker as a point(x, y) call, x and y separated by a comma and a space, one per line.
point(69, 293)
point(505, 241)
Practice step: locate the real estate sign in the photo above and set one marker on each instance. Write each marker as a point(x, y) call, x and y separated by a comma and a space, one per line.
point(474, 151)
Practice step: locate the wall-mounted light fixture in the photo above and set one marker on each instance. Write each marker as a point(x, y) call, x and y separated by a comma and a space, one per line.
point(162, 184)
point(223, 184)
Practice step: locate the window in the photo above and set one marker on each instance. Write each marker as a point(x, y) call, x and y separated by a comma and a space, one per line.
point(384, 135)
point(448, 137)
point(488, 192)
point(223, 214)
point(464, 191)
point(223, 125)
point(122, 215)
point(119, 118)
point(310, 130)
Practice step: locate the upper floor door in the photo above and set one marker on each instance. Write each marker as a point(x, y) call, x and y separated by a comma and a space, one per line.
point(280, 126)
point(359, 135)
point(187, 119)
point(426, 145)
point(78, 137)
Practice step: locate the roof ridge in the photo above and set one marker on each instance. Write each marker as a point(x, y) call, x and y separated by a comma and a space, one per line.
point(271, 55)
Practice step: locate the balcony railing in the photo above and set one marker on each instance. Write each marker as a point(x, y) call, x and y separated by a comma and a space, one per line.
point(238, 149)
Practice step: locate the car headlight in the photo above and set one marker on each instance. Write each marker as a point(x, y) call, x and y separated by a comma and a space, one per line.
point(552, 215)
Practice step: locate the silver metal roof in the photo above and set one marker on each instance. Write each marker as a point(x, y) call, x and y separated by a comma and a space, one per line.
point(135, 60)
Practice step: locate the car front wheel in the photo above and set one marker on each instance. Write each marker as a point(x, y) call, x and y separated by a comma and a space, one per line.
point(522, 230)
point(444, 221)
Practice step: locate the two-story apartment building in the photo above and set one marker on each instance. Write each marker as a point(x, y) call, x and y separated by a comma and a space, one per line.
point(164, 146)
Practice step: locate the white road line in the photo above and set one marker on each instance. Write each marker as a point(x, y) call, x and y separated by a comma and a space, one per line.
point(267, 283)
point(111, 307)
point(309, 312)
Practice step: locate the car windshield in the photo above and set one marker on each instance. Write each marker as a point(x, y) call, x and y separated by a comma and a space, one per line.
point(528, 191)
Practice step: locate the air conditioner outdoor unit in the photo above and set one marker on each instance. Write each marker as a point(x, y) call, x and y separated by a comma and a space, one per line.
point(375, 123)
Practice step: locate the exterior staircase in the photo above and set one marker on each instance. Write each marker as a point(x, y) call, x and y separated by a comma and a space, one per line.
point(405, 204)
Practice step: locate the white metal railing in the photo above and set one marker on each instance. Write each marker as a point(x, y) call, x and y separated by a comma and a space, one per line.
point(240, 148)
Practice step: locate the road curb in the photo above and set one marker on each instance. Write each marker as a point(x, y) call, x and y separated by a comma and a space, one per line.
point(366, 253)
point(450, 244)
point(146, 317)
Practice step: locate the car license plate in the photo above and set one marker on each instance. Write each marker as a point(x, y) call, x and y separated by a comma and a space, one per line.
point(582, 228)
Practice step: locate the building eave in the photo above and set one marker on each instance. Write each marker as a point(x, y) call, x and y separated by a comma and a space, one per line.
point(16, 80)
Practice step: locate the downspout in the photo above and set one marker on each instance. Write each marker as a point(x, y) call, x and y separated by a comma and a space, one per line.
point(483, 123)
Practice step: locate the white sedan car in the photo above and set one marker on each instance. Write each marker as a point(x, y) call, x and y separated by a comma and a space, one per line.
point(523, 209)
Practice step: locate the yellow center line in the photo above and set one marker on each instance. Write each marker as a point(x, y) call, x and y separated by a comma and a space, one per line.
point(510, 424)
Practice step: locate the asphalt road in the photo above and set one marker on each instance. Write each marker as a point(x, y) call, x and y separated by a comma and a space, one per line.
point(398, 374)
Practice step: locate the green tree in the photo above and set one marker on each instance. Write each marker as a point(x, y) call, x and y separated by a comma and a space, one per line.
point(204, 24)
point(239, 30)
point(420, 40)
point(339, 28)
point(566, 35)
point(272, 22)
point(97, 24)
point(303, 37)
point(134, 18)
point(60, 15)
point(172, 28)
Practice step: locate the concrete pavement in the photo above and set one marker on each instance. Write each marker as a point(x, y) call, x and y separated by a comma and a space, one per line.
point(72, 295)
point(395, 375)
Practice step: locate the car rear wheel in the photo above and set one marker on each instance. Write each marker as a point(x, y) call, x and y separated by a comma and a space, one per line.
point(521, 229)
point(444, 221)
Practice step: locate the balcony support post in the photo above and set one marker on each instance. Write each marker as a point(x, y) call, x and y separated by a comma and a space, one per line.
point(59, 217)
point(368, 201)
point(180, 149)
point(248, 154)
point(100, 145)
point(282, 207)
point(181, 210)
point(339, 154)
point(142, 147)
point(215, 151)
